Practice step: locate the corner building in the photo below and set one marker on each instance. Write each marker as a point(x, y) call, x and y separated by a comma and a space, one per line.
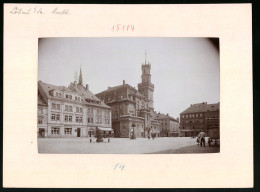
point(200, 116)
point(71, 111)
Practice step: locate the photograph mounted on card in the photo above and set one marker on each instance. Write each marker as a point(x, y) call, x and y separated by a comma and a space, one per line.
point(125, 93)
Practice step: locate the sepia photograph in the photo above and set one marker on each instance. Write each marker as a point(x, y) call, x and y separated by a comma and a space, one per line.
point(124, 94)
point(128, 95)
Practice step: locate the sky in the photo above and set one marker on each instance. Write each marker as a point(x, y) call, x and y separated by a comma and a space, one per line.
point(184, 70)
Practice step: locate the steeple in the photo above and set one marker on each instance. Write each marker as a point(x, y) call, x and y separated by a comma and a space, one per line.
point(146, 87)
point(80, 77)
point(145, 57)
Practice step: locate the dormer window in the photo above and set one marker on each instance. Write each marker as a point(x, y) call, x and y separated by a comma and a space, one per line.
point(68, 96)
point(57, 94)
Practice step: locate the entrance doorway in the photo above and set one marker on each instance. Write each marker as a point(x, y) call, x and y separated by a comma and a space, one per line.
point(41, 133)
point(78, 132)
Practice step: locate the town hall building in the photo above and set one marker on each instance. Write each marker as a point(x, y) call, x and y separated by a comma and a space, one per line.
point(133, 110)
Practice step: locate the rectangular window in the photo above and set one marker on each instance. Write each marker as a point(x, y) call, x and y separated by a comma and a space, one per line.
point(39, 121)
point(79, 119)
point(70, 108)
point(67, 96)
point(106, 121)
point(53, 106)
point(66, 108)
point(68, 131)
point(57, 117)
point(70, 97)
point(59, 94)
point(58, 107)
point(52, 116)
point(77, 109)
point(81, 110)
point(70, 118)
point(55, 131)
point(66, 118)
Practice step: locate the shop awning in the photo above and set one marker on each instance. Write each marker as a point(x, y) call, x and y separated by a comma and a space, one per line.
point(105, 129)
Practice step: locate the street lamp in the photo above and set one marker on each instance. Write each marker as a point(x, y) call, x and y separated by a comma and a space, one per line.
point(133, 135)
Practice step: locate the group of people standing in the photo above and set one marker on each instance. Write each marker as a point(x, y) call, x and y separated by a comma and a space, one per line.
point(153, 135)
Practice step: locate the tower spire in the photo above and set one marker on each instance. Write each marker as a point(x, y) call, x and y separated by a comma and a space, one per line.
point(80, 77)
point(145, 56)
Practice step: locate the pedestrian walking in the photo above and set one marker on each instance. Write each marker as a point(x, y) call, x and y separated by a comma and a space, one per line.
point(209, 141)
point(202, 135)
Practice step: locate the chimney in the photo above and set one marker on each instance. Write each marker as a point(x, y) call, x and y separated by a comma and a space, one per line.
point(87, 87)
point(123, 82)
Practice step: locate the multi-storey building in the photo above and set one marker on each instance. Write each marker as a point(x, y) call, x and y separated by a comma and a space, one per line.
point(169, 126)
point(132, 109)
point(197, 117)
point(72, 111)
point(42, 117)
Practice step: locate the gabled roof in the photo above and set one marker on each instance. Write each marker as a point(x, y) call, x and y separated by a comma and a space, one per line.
point(201, 107)
point(213, 107)
point(46, 88)
point(40, 101)
point(118, 87)
point(163, 116)
point(86, 94)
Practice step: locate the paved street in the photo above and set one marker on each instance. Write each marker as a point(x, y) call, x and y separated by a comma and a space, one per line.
point(115, 146)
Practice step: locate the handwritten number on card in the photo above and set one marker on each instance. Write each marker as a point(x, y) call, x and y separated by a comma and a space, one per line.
point(119, 166)
point(123, 28)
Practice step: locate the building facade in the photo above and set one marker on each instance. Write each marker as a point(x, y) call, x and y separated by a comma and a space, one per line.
point(133, 110)
point(197, 117)
point(169, 126)
point(42, 122)
point(71, 111)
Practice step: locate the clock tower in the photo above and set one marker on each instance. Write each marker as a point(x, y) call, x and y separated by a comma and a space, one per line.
point(146, 87)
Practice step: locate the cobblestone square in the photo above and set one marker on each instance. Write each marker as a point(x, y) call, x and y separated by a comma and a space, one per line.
point(120, 146)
